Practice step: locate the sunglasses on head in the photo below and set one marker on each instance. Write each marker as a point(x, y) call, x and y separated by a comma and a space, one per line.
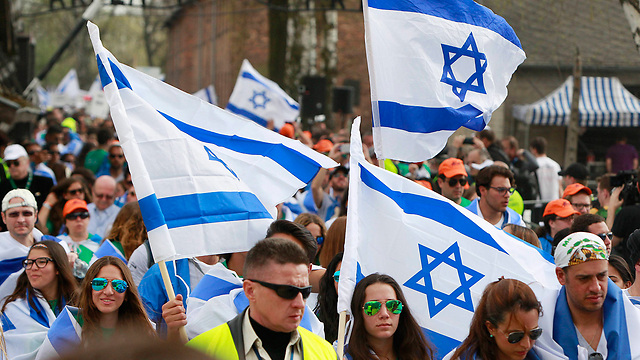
point(288, 292)
point(372, 307)
point(40, 262)
point(453, 182)
point(11, 163)
point(118, 285)
point(517, 336)
point(336, 276)
point(73, 216)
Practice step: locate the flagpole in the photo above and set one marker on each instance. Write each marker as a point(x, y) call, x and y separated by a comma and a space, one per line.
point(341, 330)
point(167, 285)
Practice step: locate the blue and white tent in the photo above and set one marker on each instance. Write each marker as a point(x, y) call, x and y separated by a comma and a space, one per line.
point(604, 102)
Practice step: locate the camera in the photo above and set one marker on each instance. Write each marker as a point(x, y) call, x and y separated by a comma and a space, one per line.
point(628, 179)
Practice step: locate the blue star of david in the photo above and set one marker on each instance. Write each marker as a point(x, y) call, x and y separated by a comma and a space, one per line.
point(469, 49)
point(259, 99)
point(467, 276)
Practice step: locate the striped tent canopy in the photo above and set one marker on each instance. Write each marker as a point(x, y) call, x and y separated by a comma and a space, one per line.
point(604, 102)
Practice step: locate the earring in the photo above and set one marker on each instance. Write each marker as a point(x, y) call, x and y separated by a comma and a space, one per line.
point(490, 335)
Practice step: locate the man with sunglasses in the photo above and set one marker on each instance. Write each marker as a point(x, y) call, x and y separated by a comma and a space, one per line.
point(494, 186)
point(276, 285)
point(103, 210)
point(594, 224)
point(115, 165)
point(452, 180)
point(21, 177)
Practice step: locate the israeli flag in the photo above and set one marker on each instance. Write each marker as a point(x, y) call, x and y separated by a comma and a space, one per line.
point(441, 254)
point(43, 97)
point(107, 248)
point(260, 99)
point(434, 66)
point(68, 90)
point(208, 181)
point(207, 94)
point(63, 336)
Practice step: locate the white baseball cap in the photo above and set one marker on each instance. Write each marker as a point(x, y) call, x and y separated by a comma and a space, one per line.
point(14, 151)
point(27, 199)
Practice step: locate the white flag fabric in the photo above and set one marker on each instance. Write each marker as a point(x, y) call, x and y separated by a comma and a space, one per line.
point(43, 97)
point(207, 94)
point(441, 254)
point(434, 66)
point(68, 90)
point(207, 181)
point(260, 99)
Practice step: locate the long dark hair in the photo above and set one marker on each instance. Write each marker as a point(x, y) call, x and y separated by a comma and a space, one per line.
point(327, 306)
point(131, 314)
point(66, 282)
point(499, 299)
point(409, 341)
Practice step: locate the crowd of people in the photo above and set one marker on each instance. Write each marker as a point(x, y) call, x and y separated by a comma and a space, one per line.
point(74, 249)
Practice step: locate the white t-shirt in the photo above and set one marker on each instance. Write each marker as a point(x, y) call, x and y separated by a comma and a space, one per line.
point(548, 178)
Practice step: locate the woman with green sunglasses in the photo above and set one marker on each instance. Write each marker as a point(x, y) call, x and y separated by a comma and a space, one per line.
point(383, 326)
point(504, 325)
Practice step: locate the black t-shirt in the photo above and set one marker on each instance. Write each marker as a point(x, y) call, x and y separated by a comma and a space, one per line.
point(626, 222)
point(275, 343)
point(39, 187)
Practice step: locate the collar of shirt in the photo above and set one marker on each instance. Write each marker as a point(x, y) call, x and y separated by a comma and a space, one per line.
point(252, 340)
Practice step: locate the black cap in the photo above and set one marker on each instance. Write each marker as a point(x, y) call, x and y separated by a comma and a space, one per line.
point(633, 245)
point(576, 170)
point(340, 168)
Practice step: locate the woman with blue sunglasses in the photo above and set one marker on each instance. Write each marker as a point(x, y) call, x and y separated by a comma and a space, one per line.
point(504, 325)
point(383, 327)
point(41, 292)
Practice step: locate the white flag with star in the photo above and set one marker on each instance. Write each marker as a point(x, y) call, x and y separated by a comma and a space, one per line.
point(260, 99)
point(434, 66)
point(441, 254)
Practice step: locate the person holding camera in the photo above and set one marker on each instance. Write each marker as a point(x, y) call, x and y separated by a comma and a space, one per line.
point(626, 197)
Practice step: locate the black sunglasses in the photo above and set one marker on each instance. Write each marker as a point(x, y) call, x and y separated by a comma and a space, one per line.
point(517, 336)
point(113, 156)
point(11, 163)
point(82, 215)
point(453, 182)
point(604, 236)
point(74, 191)
point(288, 292)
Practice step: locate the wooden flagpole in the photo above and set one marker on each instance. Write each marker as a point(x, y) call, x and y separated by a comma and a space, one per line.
point(171, 294)
point(341, 330)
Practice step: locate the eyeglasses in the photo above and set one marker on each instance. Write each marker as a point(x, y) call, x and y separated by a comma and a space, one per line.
point(54, 152)
point(40, 262)
point(581, 206)
point(595, 356)
point(461, 181)
point(113, 156)
point(118, 285)
point(74, 216)
point(31, 153)
point(517, 336)
point(288, 292)
point(15, 214)
point(11, 163)
point(336, 276)
point(604, 236)
point(320, 240)
point(103, 196)
point(74, 191)
point(339, 174)
point(503, 190)
point(372, 307)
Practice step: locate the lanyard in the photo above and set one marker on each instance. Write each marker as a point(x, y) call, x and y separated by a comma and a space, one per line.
point(29, 180)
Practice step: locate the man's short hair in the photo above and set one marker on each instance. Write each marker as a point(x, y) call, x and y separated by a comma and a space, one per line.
point(486, 175)
point(512, 141)
point(276, 250)
point(539, 144)
point(297, 231)
point(582, 222)
point(604, 182)
point(104, 136)
point(54, 129)
point(487, 134)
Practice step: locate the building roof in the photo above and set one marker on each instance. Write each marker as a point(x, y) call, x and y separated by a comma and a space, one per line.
point(550, 31)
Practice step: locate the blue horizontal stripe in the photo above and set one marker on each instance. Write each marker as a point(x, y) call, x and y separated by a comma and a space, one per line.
point(299, 165)
point(248, 114)
point(205, 208)
point(436, 210)
point(418, 119)
point(105, 79)
point(211, 286)
point(151, 212)
point(9, 266)
point(250, 76)
point(461, 11)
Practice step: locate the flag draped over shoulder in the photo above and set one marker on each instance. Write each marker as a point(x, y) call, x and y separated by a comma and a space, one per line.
point(207, 181)
point(434, 66)
point(441, 254)
point(260, 99)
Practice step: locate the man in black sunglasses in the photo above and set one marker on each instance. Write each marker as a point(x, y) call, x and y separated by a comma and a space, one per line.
point(595, 224)
point(453, 180)
point(276, 284)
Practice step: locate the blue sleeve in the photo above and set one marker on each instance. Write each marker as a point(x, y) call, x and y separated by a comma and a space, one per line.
point(152, 292)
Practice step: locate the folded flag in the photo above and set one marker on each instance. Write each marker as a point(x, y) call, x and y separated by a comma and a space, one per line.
point(207, 94)
point(207, 181)
point(434, 66)
point(260, 99)
point(108, 248)
point(440, 253)
point(63, 336)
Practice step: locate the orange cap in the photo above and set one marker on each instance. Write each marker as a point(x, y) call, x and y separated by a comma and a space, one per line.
point(424, 183)
point(560, 207)
point(452, 167)
point(323, 146)
point(574, 189)
point(287, 130)
point(73, 205)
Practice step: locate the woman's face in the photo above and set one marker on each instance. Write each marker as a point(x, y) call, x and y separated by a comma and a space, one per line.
point(614, 275)
point(383, 324)
point(520, 321)
point(316, 231)
point(335, 283)
point(76, 225)
point(108, 300)
point(45, 278)
point(75, 191)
